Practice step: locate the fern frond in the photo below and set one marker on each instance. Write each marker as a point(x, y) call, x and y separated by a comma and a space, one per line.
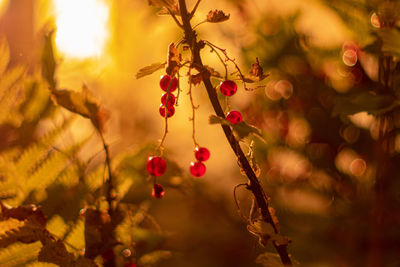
point(19, 254)
point(95, 179)
point(39, 97)
point(57, 226)
point(31, 156)
point(76, 237)
point(9, 79)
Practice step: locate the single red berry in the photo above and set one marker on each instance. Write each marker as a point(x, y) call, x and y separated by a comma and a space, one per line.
point(171, 110)
point(197, 169)
point(156, 166)
point(234, 116)
point(228, 88)
point(202, 154)
point(158, 191)
point(130, 264)
point(165, 81)
point(171, 100)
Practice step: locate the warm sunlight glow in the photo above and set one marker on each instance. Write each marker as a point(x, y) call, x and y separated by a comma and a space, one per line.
point(81, 27)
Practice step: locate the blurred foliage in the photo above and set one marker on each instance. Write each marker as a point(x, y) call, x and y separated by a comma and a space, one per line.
point(38, 167)
point(322, 165)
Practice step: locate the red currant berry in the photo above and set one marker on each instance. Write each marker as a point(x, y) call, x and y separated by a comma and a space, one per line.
point(156, 166)
point(197, 169)
point(234, 116)
point(202, 154)
point(158, 191)
point(171, 110)
point(130, 264)
point(165, 81)
point(171, 100)
point(228, 88)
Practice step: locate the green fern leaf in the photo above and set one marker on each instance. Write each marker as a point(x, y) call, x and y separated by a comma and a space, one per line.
point(76, 237)
point(19, 254)
point(57, 226)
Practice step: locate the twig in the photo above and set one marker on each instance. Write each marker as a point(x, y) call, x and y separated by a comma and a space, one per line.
point(175, 18)
point(194, 9)
point(254, 186)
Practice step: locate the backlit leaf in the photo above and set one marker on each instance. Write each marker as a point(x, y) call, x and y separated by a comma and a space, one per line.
point(150, 69)
point(174, 60)
point(83, 103)
point(365, 101)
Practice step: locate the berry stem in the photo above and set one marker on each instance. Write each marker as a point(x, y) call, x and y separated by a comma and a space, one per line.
point(220, 59)
point(193, 118)
point(254, 186)
point(160, 147)
point(227, 58)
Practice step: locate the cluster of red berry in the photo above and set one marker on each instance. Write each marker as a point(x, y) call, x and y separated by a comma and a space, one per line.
point(229, 88)
point(168, 85)
point(198, 169)
point(156, 166)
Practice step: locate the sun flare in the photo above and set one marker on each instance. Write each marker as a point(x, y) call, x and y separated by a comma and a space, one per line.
point(82, 27)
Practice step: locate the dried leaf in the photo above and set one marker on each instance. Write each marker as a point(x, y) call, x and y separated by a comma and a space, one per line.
point(213, 72)
point(150, 69)
point(56, 252)
point(174, 60)
point(196, 79)
point(83, 103)
point(33, 229)
point(21, 213)
point(256, 73)
point(205, 73)
point(216, 16)
point(265, 232)
point(28, 233)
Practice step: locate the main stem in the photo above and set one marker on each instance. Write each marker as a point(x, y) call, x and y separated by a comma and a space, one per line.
point(254, 186)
